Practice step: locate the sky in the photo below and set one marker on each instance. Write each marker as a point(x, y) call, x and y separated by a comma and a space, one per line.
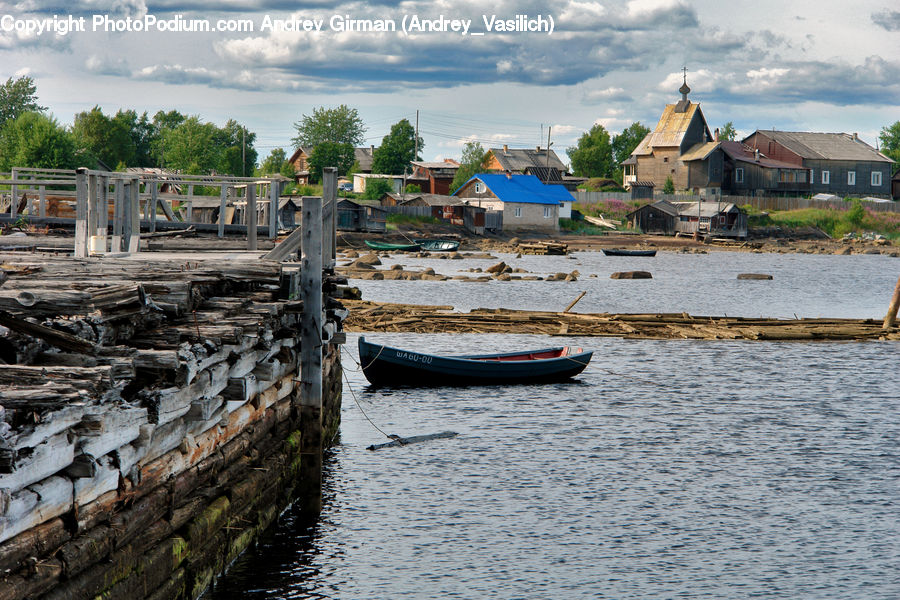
point(806, 65)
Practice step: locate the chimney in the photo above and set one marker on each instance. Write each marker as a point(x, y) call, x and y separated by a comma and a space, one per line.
point(717, 134)
point(855, 136)
point(538, 149)
point(372, 148)
point(505, 148)
point(508, 174)
point(756, 154)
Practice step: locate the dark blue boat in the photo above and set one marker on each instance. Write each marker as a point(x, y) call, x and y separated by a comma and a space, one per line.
point(624, 252)
point(383, 365)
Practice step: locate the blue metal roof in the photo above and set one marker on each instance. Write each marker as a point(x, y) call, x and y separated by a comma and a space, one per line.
point(522, 188)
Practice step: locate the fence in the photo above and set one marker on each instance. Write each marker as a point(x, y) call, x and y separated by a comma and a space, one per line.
point(36, 193)
point(758, 202)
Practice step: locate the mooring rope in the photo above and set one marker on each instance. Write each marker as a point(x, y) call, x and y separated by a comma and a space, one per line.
point(358, 405)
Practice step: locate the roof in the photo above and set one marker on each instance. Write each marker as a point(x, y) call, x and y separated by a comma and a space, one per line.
point(435, 165)
point(518, 159)
point(660, 205)
point(670, 130)
point(364, 157)
point(434, 199)
point(707, 209)
point(825, 146)
point(700, 151)
point(526, 189)
point(740, 152)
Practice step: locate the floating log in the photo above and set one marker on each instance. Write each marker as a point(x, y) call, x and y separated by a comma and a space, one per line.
point(759, 276)
point(405, 441)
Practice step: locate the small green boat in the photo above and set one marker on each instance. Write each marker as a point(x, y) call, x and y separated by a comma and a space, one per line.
point(438, 245)
point(385, 246)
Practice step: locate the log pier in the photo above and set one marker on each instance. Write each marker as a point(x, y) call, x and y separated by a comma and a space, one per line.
point(382, 317)
point(151, 418)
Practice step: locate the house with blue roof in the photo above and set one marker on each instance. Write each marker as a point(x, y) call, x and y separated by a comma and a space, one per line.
point(525, 202)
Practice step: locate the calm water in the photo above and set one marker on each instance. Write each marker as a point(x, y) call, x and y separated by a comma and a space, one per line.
point(671, 469)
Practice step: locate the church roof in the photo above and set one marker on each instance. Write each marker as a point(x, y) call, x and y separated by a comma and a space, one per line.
point(670, 130)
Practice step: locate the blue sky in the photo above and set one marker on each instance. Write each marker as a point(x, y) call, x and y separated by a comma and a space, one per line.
point(799, 65)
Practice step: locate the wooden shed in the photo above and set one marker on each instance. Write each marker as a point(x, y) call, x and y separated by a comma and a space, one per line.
point(354, 216)
point(659, 217)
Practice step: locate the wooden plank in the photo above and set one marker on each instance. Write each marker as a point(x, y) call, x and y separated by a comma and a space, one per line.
point(405, 441)
point(37, 504)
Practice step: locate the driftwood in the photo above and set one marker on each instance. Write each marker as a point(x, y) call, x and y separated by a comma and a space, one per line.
point(404, 441)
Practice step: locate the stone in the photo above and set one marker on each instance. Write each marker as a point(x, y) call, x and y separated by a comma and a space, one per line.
point(500, 267)
point(369, 259)
point(631, 275)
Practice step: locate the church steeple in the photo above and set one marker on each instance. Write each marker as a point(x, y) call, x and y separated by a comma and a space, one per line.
point(685, 89)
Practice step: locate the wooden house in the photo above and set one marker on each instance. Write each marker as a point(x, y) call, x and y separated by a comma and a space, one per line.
point(747, 172)
point(433, 177)
point(656, 218)
point(715, 219)
point(517, 160)
point(837, 163)
point(356, 216)
point(895, 186)
point(524, 201)
point(300, 161)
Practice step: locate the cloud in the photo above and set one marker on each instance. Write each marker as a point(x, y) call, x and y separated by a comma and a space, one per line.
point(888, 19)
point(113, 8)
point(106, 65)
point(610, 94)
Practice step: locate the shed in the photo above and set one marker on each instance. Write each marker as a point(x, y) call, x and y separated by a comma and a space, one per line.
point(355, 216)
point(659, 217)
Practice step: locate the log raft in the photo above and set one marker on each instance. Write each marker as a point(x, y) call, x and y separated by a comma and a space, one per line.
point(149, 418)
point(382, 317)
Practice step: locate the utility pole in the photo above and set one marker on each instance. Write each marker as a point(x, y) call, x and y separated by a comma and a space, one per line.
point(243, 151)
point(548, 145)
point(416, 151)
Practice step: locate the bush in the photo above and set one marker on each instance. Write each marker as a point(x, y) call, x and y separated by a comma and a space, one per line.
point(376, 188)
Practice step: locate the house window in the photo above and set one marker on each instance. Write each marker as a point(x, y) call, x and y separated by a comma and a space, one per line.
point(876, 177)
point(851, 177)
point(665, 159)
point(479, 187)
point(826, 177)
point(812, 175)
point(518, 211)
point(547, 212)
point(739, 175)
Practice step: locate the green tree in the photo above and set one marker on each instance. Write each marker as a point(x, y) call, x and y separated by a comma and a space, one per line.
point(98, 137)
point(329, 154)
point(397, 150)
point(190, 147)
point(35, 140)
point(593, 155)
point(625, 143)
point(727, 132)
point(472, 162)
point(238, 156)
point(141, 131)
point(376, 188)
point(273, 162)
point(339, 127)
point(890, 141)
point(669, 186)
point(163, 122)
point(16, 97)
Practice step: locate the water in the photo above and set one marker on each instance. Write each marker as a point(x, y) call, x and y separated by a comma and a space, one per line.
point(671, 469)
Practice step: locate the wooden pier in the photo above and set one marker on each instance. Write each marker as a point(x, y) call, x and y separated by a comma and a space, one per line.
point(158, 411)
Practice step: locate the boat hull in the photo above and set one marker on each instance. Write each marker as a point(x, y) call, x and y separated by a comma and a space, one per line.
point(386, 366)
point(618, 252)
point(438, 245)
point(393, 247)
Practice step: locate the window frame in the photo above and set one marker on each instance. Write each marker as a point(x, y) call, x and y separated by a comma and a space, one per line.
point(517, 211)
point(880, 178)
point(739, 175)
point(851, 177)
point(826, 177)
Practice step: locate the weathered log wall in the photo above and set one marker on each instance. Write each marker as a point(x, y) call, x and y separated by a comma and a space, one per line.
point(149, 421)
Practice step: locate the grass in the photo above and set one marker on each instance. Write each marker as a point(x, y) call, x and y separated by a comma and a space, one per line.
point(856, 218)
point(398, 219)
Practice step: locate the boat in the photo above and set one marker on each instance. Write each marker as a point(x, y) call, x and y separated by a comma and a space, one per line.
point(384, 365)
point(438, 245)
point(624, 252)
point(385, 246)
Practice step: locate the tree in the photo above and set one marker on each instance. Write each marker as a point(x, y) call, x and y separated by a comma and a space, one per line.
point(17, 97)
point(35, 140)
point(890, 141)
point(339, 127)
point(97, 137)
point(472, 162)
point(141, 131)
point(727, 132)
point(593, 155)
point(669, 186)
point(238, 156)
point(273, 162)
point(329, 154)
point(376, 188)
point(625, 143)
point(397, 150)
point(190, 147)
point(163, 122)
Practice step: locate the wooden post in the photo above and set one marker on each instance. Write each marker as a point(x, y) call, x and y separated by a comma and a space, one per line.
point(134, 241)
point(311, 357)
point(892, 309)
point(93, 213)
point(103, 206)
point(125, 196)
point(81, 213)
point(42, 203)
point(118, 216)
point(274, 193)
point(252, 217)
point(154, 202)
point(329, 200)
point(189, 213)
point(14, 195)
point(223, 201)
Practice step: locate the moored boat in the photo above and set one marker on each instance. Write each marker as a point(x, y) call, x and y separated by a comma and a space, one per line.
point(625, 252)
point(386, 246)
point(384, 365)
point(432, 245)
